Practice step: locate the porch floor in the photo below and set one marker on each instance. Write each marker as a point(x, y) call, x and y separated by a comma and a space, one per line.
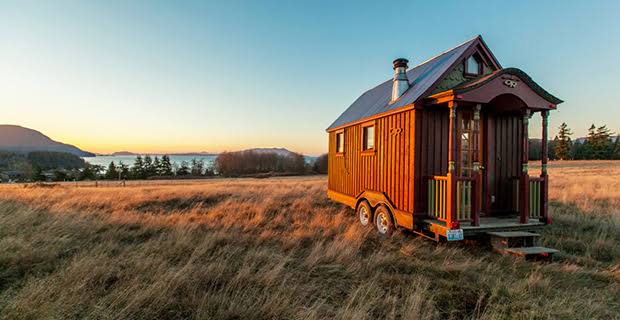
point(502, 223)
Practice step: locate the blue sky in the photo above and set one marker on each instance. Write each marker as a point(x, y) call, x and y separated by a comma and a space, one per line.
point(171, 76)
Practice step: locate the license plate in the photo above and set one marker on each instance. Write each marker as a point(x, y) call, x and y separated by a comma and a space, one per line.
point(454, 235)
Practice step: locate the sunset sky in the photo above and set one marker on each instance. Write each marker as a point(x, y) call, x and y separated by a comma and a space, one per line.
point(175, 76)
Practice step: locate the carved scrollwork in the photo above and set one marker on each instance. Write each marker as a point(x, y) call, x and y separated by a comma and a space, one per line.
point(395, 131)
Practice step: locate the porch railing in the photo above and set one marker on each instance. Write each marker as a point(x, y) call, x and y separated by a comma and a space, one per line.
point(535, 194)
point(535, 197)
point(464, 194)
point(438, 197)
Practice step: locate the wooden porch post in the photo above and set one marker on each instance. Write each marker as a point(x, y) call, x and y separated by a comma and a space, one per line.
point(544, 198)
point(524, 192)
point(452, 216)
point(477, 175)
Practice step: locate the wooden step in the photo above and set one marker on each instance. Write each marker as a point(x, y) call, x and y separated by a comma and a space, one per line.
point(512, 239)
point(531, 252)
point(513, 234)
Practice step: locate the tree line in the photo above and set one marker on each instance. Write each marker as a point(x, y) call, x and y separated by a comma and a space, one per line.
point(248, 162)
point(227, 164)
point(600, 144)
point(39, 165)
point(148, 167)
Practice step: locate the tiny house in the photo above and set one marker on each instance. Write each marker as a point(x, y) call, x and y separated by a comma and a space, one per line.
point(442, 148)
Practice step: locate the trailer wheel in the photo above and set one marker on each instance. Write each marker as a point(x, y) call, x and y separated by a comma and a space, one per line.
point(364, 213)
point(383, 221)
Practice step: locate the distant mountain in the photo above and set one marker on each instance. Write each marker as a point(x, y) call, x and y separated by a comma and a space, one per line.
point(23, 140)
point(123, 153)
point(280, 151)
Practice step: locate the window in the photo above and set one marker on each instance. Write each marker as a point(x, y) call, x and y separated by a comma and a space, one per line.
point(369, 138)
point(469, 143)
point(473, 66)
point(340, 142)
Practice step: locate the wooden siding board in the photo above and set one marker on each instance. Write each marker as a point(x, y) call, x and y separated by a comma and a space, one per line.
point(406, 191)
point(503, 156)
point(390, 169)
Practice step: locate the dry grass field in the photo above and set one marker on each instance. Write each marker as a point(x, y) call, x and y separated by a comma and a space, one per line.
point(279, 249)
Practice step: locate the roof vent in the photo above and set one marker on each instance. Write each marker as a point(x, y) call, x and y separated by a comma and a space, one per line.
point(400, 84)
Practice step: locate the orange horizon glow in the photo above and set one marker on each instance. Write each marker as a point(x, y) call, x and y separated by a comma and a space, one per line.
point(170, 146)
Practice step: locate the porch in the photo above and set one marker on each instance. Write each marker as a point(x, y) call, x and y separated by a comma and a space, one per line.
point(488, 186)
point(467, 214)
point(489, 224)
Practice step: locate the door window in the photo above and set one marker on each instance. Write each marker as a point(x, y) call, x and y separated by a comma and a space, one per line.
point(468, 145)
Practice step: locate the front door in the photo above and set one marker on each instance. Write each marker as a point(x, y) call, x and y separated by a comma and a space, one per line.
point(501, 159)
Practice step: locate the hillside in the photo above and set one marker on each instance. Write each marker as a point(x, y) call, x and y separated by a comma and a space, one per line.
point(23, 140)
point(279, 151)
point(279, 249)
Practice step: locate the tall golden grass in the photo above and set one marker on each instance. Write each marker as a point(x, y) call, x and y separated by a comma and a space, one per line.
point(279, 249)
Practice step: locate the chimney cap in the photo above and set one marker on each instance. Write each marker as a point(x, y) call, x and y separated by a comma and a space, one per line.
point(400, 62)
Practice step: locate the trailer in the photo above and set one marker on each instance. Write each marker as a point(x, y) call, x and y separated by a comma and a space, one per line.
point(441, 149)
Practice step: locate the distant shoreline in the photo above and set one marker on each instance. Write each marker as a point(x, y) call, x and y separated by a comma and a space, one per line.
point(128, 154)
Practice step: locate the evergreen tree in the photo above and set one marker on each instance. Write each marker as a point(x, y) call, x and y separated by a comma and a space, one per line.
point(124, 170)
point(149, 169)
point(165, 166)
point(137, 171)
point(184, 169)
point(112, 173)
point(616, 153)
point(602, 146)
point(563, 143)
point(578, 151)
point(156, 166)
point(197, 167)
point(98, 170)
point(587, 149)
point(551, 149)
point(88, 173)
point(535, 147)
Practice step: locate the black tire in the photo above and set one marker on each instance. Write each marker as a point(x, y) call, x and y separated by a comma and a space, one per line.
point(383, 221)
point(364, 214)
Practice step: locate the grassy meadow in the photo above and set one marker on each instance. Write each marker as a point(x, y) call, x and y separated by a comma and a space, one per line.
point(279, 249)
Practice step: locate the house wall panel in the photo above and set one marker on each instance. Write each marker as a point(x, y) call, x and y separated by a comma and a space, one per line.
point(431, 150)
point(388, 170)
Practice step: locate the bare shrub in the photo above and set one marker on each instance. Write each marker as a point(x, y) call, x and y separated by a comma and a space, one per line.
point(253, 162)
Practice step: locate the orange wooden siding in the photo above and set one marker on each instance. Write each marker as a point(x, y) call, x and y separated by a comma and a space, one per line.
point(390, 169)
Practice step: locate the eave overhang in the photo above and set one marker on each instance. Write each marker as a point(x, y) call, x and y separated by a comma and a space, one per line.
point(505, 81)
point(376, 116)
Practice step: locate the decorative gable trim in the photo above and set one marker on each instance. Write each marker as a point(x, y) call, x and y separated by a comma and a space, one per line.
point(478, 46)
point(477, 83)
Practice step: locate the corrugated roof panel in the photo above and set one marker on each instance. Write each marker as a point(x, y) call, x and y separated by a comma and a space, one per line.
point(421, 78)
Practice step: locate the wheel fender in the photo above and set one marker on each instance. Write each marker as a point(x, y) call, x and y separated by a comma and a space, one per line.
point(375, 198)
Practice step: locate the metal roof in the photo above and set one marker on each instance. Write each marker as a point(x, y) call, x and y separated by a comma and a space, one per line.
point(421, 78)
